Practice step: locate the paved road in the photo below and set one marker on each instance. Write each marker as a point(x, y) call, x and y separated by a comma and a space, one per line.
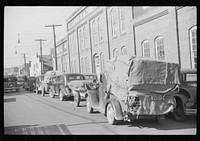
point(29, 113)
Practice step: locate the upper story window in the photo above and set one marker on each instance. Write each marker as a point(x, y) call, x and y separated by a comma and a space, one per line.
point(94, 30)
point(145, 49)
point(83, 65)
point(75, 69)
point(160, 52)
point(71, 43)
point(114, 19)
point(193, 46)
point(122, 20)
point(124, 51)
point(85, 40)
point(66, 46)
point(74, 42)
point(115, 53)
point(80, 33)
point(100, 28)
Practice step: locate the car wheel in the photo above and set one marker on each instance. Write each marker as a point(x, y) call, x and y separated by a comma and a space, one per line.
point(61, 95)
point(89, 108)
point(178, 114)
point(77, 99)
point(111, 115)
point(51, 93)
point(36, 91)
point(43, 92)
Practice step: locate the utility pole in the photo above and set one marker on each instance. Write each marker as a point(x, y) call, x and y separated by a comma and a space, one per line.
point(41, 53)
point(24, 60)
point(54, 36)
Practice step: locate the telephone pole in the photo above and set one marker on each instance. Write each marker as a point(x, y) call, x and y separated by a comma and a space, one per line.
point(54, 36)
point(41, 53)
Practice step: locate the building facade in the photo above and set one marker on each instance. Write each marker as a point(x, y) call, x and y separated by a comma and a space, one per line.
point(96, 34)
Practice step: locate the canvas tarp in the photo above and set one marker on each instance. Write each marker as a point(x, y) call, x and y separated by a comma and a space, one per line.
point(79, 85)
point(134, 73)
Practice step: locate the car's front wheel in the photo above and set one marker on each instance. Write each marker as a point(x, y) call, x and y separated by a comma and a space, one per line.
point(61, 95)
point(111, 114)
point(77, 99)
point(178, 114)
point(89, 108)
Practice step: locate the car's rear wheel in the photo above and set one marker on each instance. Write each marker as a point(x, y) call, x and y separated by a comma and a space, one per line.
point(77, 99)
point(178, 114)
point(89, 108)
point(111, 115)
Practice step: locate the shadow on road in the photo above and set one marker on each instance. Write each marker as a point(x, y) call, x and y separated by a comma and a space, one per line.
point(10, 100)
point(167, 124)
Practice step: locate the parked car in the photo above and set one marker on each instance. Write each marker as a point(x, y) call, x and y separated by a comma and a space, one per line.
point(21, 80)
point(61, 86)
point(29, 84)
point(38, 84)
point(10, 83)
point(49, 79)
point(135, 88)
point(186, 98)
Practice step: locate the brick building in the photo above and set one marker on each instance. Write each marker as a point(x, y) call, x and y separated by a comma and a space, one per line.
point(97, 34)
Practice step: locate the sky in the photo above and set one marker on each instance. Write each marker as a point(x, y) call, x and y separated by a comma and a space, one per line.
point(27, 24)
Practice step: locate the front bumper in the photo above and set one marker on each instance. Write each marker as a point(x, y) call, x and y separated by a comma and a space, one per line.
point(13, 88)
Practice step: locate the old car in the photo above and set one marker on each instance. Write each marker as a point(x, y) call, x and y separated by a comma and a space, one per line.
point(29, 84)
point(38, 84)
point(61, 86)
point(135, 88)
point(186, 98)
point(49, 80)
point(10, 83)
point(21, 79)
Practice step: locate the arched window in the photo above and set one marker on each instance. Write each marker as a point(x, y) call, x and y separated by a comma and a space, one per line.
point(114, 18)
point(145, 49)
point(124, 51)
point(193, 46)
point(100, 28)
point(94, 30)
point(122, 20)
point(160, 51)
point(102, 61)
point(115, 53)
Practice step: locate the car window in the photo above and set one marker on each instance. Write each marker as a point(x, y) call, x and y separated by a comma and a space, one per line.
point(76, 77)
point(190, 77)
point(10, 79)
point(89, 77)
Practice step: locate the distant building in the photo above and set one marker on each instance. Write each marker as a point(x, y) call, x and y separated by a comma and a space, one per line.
point(11, 71)
point(38, 66)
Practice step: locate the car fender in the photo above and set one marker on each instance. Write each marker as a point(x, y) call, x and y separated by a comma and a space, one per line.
point(117, 108)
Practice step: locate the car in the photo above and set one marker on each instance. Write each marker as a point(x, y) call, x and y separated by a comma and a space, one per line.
point(132, 88)
point(21, 79)
point(10, 83)
point(29, 84)
point(61, 86)
point(186, 98)
point(49, 79)
point(38, 84)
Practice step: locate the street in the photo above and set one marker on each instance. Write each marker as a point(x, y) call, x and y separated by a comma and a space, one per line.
point(28, 113)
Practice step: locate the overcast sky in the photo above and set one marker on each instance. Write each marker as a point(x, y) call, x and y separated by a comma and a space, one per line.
point(27, 23)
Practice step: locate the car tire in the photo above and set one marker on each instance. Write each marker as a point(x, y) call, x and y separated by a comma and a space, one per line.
point(43, 92)
point(89, 108)
point(111, 114)
point(61, 96)
point(51, 93)
point(77, 99)
point(178, 114)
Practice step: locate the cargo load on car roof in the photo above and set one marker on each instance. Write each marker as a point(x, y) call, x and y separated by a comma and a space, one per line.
point(128, 73)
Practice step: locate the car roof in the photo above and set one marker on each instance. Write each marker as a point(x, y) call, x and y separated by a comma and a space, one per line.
point(183, 70)
point(89, 74)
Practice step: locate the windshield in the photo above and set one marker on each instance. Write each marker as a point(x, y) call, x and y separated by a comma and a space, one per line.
point(10, 79)
point(90, 77)
point(20, 78)
point(75, 77)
